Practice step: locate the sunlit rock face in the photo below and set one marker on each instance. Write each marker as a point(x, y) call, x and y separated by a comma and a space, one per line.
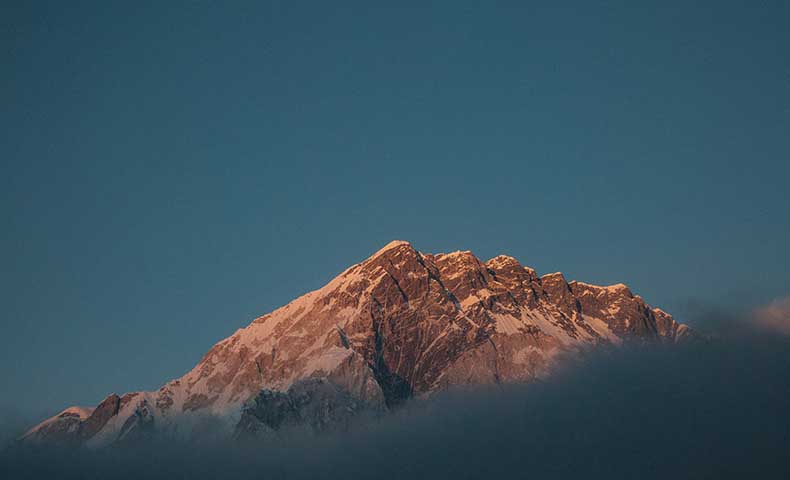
point(398, 325)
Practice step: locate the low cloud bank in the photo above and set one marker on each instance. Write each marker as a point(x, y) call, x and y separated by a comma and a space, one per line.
point(712, 410)
point(774, 317)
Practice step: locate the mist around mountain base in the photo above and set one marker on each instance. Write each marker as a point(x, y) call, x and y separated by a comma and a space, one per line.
point(711, 410)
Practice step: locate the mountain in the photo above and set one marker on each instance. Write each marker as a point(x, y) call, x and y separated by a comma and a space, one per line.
point(398, 325)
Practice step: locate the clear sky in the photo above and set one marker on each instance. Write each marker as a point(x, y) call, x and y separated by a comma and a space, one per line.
point(170, 171)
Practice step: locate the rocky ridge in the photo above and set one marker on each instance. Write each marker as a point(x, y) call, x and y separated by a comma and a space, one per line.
point(398, 325)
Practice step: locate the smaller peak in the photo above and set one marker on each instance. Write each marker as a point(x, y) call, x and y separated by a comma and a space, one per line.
point(621, 288)
point(459, 257)
point(74, 411)
point(456, 253)
point(617, 288)
point(503, 260)
point(390, 246)
point(552, 276)
point(81, 412)
point(585, 284)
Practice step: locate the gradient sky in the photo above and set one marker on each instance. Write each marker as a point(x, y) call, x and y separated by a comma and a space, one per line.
point(170, 171)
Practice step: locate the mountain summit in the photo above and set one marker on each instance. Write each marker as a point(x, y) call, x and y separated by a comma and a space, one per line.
point(398, 325)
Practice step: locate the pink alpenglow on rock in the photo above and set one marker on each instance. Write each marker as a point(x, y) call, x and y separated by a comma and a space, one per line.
point(398, 325)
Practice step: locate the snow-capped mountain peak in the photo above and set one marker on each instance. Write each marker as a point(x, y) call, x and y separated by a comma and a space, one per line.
point(397, 325)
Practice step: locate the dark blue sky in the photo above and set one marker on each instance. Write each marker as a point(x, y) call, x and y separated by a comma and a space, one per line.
point(169, 172)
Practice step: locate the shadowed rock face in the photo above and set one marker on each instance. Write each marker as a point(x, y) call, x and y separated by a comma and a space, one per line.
point(100, 416)
point(397, 325)
point(315, 404)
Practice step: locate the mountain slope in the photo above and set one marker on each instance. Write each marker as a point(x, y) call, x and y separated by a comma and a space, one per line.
point(397, 325)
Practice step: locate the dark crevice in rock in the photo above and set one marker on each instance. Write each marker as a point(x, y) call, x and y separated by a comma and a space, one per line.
point(397, 285)
point(497, 377)
point(433, 276)
point(260, 371)
point(343, 337)
point(395, 388)
point(107, 409)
